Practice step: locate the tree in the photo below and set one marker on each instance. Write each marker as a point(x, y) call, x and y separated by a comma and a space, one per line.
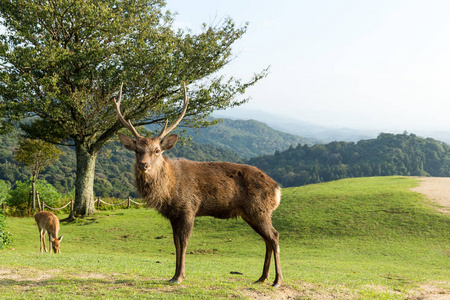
point(37, 155)
point(4, 191)
point(62, 63)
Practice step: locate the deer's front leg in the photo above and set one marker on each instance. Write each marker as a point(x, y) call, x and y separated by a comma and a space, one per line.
point(42, 241)
point(182, 229)
point(176, 241)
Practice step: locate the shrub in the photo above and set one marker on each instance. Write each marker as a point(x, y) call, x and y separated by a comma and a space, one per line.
point(5, 237)
point(20, 195)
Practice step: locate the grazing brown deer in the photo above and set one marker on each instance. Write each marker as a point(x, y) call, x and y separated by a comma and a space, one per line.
point(181, 190)
point(48, 223)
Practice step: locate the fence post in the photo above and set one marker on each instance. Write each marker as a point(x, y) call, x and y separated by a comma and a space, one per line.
point(43, 206)
point(128, 206)
point(71, 205)
point(98, 203)
point(3, 206)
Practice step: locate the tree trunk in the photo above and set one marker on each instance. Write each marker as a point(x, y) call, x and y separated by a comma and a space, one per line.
point(84, 181)
point(33, 193)
point(33, 190)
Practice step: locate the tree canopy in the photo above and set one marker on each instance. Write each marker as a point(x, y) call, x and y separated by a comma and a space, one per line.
point(62, 62)
point(37, 155)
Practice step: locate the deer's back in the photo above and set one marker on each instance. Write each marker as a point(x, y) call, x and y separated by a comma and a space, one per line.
point(48, 221)
point(224, 190)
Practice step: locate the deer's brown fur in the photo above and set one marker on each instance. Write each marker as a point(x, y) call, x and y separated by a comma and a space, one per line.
point(181, 190)
point(48, 223)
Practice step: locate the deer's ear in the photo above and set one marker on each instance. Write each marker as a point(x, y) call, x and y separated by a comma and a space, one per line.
point(60, 238)
point(169, 142)
point(127, 142)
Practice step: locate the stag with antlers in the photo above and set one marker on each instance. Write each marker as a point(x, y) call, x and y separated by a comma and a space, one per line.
point(181, 190)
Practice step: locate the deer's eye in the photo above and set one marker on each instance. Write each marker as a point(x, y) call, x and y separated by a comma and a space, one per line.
point(157, 151)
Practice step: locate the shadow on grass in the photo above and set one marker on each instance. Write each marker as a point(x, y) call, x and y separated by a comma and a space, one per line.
point(82, 221)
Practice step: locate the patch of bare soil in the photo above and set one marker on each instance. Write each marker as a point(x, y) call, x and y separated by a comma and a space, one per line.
point(24, 274)
point(430, 292)
point(311, 291)
point(302, 291)
point(436, 189)
point(281, 293)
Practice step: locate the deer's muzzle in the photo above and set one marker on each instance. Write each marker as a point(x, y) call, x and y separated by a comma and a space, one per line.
point(143, 167)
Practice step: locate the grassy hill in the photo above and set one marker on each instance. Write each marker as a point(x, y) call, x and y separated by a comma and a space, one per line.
point(367, 238)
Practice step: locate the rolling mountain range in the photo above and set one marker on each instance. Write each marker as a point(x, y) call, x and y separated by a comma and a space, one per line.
point(289, 159)
point(233, 141)
point(319, 133)
point(248, 138)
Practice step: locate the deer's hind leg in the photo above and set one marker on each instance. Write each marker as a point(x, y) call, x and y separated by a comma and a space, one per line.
point(263, 226)
point(50, 242)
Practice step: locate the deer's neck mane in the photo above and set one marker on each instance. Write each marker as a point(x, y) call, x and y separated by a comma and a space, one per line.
point(157, 186)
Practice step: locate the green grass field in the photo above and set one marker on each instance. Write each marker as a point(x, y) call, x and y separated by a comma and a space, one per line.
point(365, 238)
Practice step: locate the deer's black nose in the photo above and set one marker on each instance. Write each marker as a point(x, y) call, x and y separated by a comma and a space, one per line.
point(143, 166)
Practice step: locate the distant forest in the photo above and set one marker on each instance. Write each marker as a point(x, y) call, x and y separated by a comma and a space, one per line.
point(114, 175)
point(388, 154)
point(227, 141)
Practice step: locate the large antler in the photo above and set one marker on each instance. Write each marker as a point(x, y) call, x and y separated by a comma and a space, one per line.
point(166, 130)
point(121, 118)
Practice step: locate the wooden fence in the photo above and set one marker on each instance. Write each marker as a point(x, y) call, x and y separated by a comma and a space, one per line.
point(97, 203)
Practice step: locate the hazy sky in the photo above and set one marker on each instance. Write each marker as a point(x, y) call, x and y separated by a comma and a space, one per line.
point(381, 64)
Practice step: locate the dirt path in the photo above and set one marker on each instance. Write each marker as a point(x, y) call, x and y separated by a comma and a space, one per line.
point(436, 189)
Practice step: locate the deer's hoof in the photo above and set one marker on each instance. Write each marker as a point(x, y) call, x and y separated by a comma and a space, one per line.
point(260, 280)
point(175, 281)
